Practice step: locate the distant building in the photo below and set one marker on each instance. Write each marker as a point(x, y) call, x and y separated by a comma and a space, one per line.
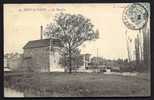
point(12, 61)
point(42, 55)
point(5, 61)
point(86, 60)
point(6, 68)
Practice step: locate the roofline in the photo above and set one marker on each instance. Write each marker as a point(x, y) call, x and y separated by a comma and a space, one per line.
point(40, 47)
point(35, 47)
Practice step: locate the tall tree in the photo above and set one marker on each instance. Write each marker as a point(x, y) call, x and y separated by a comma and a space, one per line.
point(72, 30)
point(137, 50)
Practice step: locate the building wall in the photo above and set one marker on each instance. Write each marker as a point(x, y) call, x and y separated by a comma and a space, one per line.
point(13, 61)
point(37, 59)
point(54, 61)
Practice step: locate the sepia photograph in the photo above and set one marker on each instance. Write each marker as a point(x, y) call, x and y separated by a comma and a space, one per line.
point(77, 50)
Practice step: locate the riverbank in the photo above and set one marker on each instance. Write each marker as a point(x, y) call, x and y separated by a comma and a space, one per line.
point(79, 84)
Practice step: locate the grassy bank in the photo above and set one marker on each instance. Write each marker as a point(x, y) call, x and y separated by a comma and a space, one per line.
point(81, 84)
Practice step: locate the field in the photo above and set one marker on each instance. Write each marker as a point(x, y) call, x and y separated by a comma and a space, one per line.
point(79, 84)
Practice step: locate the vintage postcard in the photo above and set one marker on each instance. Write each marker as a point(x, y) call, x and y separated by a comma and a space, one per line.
point(77, 50)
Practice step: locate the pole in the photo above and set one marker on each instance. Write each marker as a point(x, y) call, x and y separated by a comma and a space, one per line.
point(84, 61)
point(50, 54)
point(97, 57)
point(127, 46)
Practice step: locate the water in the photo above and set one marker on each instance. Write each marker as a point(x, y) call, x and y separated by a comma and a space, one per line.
point(8, 92)
point(29, 92)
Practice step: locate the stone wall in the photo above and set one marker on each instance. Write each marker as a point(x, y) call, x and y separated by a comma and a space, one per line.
point(37, 59)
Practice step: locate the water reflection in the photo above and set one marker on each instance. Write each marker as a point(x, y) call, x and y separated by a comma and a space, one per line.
point(8, 92)
point(28, 92)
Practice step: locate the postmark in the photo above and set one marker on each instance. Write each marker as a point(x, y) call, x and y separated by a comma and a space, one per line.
point(135, 16)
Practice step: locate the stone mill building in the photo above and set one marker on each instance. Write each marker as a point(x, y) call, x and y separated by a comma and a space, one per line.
point(42, 55)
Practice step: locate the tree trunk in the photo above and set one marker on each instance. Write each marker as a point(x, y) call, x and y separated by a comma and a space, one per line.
point(70, 61)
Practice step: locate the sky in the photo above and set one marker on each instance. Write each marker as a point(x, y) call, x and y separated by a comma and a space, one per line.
point(22, 24)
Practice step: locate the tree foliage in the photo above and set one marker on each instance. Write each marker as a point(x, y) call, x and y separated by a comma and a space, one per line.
point(72, 30)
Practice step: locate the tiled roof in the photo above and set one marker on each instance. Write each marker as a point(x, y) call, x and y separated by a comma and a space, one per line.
point(42, 43)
